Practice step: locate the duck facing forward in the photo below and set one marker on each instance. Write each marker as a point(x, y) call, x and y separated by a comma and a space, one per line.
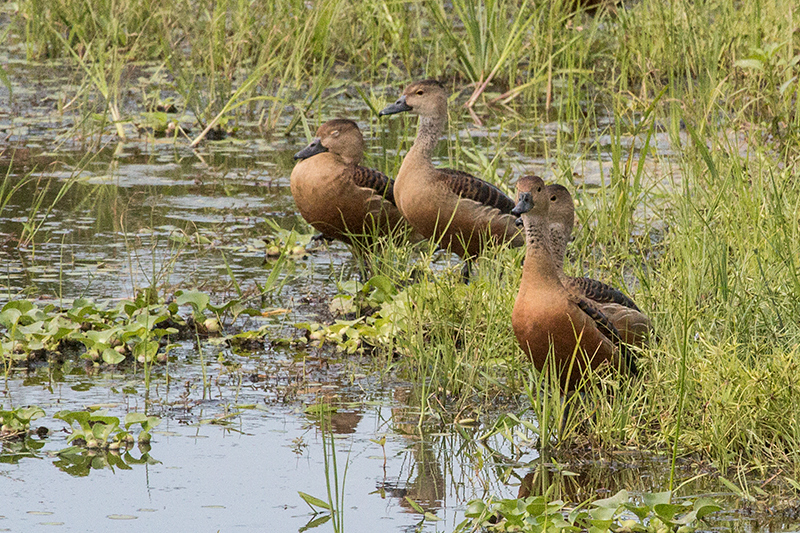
point(452, 207)
point(547, 318)
point(336, 195)
point(634, 326)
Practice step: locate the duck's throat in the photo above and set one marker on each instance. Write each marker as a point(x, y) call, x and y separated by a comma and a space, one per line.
point(538, 259)
point(428, 133)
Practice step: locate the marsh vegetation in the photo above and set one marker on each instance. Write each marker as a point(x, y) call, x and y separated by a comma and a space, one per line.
point(153, 261)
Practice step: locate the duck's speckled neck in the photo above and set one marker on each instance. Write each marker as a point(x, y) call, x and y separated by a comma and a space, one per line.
point(428, 133)
point(558, 244)
point(539, 265)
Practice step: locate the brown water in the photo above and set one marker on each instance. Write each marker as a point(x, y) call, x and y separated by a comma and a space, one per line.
point(235, 457)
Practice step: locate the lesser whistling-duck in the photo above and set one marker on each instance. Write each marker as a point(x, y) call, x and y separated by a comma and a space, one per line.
point(549, 319)
point(454, 208)
point(633, 325)
point(336, 195)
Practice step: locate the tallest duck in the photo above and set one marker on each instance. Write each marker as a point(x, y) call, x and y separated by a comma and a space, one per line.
point(454, 208)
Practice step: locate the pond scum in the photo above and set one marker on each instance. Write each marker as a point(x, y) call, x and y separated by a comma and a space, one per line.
point(690, 110)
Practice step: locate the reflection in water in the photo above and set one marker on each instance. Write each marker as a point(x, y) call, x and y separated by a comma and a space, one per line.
point(421, 479)
point(14, 450)
point(345, 422)
point(78, 462)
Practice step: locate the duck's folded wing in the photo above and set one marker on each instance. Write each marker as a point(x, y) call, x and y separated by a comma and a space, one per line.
point(468, 186)
point(373, 179)
point(610, 331)
point(601, 292)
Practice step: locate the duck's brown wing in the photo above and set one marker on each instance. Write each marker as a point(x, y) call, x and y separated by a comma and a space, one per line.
point(373, 179)
point(598, 291)
point(610, 331)
point(468, 186)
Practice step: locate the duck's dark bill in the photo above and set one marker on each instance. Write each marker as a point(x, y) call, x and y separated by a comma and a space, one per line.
point(312, 149)
point(398, 107)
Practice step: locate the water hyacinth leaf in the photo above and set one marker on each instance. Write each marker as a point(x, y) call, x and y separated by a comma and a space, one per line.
point(383, 287)
point(31, 329)
point(81, 417)
point(313, 502)
point(10, 316)
point(651, 499)
point(602, 517)
point(112, 357)
point(23, 306)
point(198, 300)
point(599, 526)
point(614, 502)
point(537, 506)
point(111, 421)
point(27, 414)
point(134, 418)
point(100, 337)
point(475, 508)
point(668, 511)
point(146, 350)
point(705, 506)
point(641, 512)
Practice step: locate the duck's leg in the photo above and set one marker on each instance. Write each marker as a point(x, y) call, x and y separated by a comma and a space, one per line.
point(466, 270)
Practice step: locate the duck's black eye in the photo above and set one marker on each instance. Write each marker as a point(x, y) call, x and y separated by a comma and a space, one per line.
point(538, 189)
point(553, 198)
point(420, 92)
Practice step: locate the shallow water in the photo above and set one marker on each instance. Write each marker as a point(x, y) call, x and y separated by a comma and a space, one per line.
point(234, 456)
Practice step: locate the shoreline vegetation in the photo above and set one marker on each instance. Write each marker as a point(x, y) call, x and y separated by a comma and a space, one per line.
point(691, 110)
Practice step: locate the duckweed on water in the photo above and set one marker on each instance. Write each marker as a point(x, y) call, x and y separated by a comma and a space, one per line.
point(653, 513)
point(98, 430)
point(131, 328)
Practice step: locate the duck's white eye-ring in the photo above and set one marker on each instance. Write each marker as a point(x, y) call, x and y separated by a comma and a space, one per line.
point(335, 133)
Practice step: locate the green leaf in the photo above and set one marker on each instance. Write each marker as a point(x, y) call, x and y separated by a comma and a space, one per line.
point(641, 512)
point(112, 357)
point(706, 506)
point(785, 85)
point(314, 502)
point(26, 414)
point(475, 508)
point(81, 417)
point(198, 300)
point(651, 499)
point(614, 502)
point(414, 505)
point(316, 522)
point(134, 418)
point(10, 317)
point(667, 511)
